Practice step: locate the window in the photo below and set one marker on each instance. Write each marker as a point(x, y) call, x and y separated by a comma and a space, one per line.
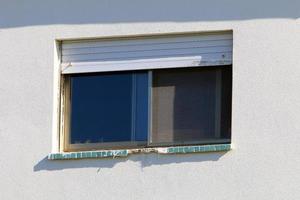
point(191, 106)
point(108, 109)
point(114, 103)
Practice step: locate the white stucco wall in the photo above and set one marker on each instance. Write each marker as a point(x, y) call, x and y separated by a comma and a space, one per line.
point(265, 161)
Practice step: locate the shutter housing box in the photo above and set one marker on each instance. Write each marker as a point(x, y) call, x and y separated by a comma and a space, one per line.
point(146, 52)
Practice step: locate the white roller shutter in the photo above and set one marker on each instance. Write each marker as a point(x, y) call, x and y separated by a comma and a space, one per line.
point(80, 56)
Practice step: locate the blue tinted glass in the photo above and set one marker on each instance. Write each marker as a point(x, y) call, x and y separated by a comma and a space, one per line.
point(141, 115)
point(106, 107)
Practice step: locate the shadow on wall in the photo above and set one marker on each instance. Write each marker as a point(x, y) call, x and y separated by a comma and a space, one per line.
point(145, 160)
point(15, 13)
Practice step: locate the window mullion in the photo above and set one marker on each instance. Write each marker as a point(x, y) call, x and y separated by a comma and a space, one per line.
point(149, 107)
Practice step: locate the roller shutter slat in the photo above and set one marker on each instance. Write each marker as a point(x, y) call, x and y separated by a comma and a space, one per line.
point(211, 47)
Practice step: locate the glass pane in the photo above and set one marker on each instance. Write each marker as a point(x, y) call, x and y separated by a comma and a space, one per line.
point(104, 107)
point(191, 105)
point(142, 106)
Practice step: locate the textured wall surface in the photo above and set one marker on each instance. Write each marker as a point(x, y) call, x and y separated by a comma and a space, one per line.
point(265, 161)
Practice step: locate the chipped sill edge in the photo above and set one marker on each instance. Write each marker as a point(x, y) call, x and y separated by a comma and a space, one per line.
point(127, 152)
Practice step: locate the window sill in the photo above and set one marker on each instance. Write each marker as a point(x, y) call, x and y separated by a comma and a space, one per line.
point(126, 152)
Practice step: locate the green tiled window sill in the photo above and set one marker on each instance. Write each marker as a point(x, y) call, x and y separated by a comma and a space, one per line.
point(126, 152)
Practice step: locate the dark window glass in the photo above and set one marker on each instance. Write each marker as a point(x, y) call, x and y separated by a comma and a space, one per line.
point(109, 107)
point(191, 105)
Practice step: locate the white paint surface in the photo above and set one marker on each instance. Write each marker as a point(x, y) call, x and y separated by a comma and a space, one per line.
point(265, 163)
